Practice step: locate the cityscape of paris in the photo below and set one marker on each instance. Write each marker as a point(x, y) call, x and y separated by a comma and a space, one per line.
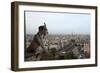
point(68, 36)
point(69, 46)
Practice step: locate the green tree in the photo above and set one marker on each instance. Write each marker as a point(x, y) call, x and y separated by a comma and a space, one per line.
point(69, 55)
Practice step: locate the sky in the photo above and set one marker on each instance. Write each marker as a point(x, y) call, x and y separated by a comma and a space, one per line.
point(58, 23)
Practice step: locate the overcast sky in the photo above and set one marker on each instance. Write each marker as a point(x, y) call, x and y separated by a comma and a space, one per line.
point(58, 23)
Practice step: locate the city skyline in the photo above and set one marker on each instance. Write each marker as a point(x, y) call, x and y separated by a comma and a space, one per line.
point(58, 23)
